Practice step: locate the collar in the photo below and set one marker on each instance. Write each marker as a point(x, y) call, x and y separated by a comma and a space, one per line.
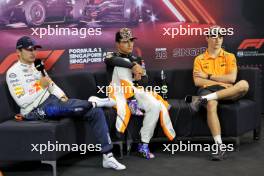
point(207, 56)
point(124, 55)
point(25, 65)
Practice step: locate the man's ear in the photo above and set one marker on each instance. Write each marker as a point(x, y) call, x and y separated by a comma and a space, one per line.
point(117, 44)
point(207, 38)
point(18, 51)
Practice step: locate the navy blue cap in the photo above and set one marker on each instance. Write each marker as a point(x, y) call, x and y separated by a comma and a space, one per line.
point(26, 42)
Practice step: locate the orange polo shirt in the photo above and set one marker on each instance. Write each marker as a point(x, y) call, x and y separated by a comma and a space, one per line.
point(224, 63)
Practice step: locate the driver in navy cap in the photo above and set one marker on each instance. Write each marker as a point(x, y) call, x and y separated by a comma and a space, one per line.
point(39, 98)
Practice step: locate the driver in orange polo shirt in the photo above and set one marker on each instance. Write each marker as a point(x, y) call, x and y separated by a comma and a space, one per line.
point(215, 73)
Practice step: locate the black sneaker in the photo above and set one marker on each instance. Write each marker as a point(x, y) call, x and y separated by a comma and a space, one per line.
point(220, 155)
point(195, 102)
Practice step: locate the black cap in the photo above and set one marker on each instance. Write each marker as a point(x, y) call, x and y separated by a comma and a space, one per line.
point(124, 34)
point(26, 42)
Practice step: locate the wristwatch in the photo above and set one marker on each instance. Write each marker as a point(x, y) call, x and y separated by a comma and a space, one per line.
point(209, 76)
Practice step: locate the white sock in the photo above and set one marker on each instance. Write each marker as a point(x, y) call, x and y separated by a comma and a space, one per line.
point(109, 155)
point(218, 139)
point(94, 104)
point(212, 96)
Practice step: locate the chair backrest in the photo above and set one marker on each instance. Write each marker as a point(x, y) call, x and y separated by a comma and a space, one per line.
point(180, 82)
point(102, 82)
point(8, 107)
point(79, 85)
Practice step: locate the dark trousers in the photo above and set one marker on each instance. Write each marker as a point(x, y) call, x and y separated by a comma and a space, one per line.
point(53, 109)
point(209, 89)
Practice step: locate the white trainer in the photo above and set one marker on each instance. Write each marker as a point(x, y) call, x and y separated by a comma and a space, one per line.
point(110, 162)
point(102, 102)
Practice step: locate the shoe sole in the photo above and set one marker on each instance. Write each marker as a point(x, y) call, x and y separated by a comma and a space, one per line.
point(104, 100)
point(141, 155)
point(113, 168)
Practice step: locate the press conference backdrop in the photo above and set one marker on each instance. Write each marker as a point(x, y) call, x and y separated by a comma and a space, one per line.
point(76, 35)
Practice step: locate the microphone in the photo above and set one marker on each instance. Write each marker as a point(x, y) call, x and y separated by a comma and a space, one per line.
point(40, 66)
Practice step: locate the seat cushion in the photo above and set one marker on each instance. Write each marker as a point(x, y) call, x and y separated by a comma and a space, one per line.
point(181, 119)
point(85, 133)
point(17, 137)
point(235, 118)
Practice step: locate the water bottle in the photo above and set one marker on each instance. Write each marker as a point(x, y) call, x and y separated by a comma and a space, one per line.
point(164, 86)
point(143, 65)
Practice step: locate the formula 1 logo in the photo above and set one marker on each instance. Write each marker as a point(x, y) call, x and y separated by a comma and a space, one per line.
point(254, 43)
point(49, 57)
point(251, 47)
